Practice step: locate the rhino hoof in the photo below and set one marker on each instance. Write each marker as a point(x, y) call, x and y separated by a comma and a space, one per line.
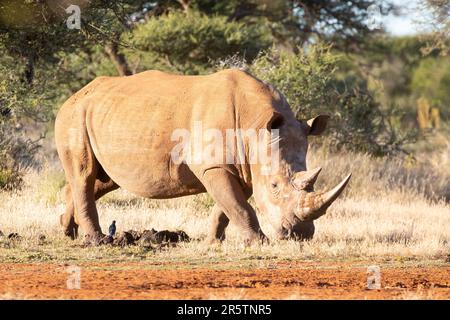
point(70, 227)
point(72, 233)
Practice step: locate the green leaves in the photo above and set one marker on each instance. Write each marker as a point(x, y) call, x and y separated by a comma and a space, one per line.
point(301, 77)
point(188, 42)
point(431, 80)
point(312, 85)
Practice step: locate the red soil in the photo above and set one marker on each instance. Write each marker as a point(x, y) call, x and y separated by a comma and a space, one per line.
point(293, 281)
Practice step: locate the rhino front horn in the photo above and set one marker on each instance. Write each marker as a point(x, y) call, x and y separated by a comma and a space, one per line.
point(318, 203)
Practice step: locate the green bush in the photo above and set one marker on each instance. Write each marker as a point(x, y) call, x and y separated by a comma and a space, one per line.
point(9, 179)
point(188, 42)
point(203, 201)
point(16, 155)
point(431, 79)
point(310, 83)
point(303, 78)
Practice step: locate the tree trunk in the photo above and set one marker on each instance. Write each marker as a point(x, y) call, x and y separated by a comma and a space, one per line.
point(119, 60)
point(28, 73)
point(184, 5)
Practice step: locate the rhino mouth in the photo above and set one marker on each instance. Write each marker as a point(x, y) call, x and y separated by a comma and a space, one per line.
point(299, 230)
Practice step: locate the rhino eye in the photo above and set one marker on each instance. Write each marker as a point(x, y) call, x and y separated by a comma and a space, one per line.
point(274, 185)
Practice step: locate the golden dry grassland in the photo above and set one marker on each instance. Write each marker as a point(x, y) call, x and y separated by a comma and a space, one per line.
point(393, 210)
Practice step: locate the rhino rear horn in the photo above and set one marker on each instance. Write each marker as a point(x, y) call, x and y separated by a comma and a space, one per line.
point(306, 179)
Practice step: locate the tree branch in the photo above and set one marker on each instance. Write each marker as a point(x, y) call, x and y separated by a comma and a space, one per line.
point(117, 58)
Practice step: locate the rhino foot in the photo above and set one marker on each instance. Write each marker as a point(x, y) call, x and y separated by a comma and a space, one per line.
point(70, 228)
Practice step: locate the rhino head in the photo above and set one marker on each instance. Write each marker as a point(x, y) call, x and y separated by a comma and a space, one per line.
point(287, 195)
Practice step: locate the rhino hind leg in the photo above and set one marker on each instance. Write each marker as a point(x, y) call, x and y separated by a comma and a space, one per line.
point(81, 168)
point(219, 222)
point(67, 219)
point(103, 185)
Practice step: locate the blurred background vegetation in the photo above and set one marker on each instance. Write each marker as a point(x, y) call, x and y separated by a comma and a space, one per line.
point(388, 96)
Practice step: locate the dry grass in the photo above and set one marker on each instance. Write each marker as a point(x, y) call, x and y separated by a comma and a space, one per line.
point(391, 211)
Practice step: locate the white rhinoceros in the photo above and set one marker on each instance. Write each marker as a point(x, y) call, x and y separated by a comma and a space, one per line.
point(119, 132)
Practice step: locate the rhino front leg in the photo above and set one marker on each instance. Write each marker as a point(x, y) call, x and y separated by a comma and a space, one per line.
point(219, 222)
point(225, 189)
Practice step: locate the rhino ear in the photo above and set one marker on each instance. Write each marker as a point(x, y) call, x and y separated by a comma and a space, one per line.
point(316, 126)
point(275, 122)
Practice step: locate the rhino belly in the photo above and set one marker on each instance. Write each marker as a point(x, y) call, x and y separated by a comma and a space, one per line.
point(148, 174)
point(136, 155)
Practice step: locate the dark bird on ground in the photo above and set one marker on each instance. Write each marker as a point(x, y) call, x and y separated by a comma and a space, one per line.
point(112, 229)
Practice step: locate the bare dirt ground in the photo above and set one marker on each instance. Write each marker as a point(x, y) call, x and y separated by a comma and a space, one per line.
point(281, 281)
